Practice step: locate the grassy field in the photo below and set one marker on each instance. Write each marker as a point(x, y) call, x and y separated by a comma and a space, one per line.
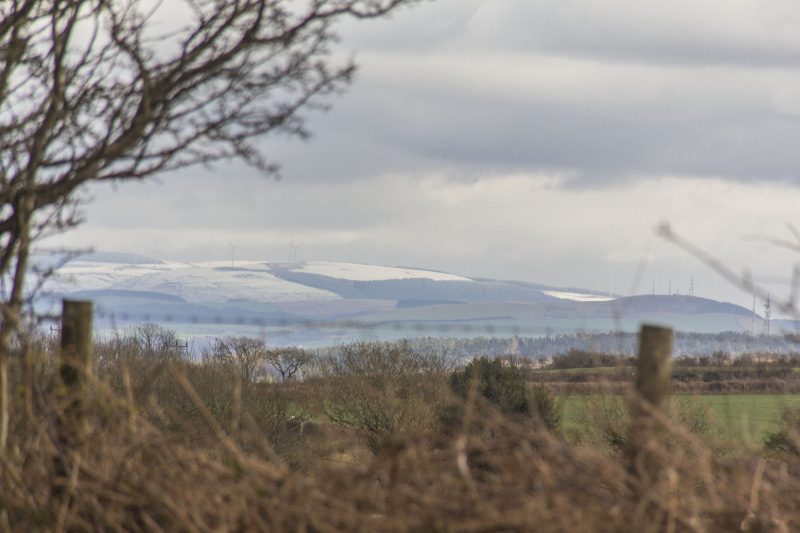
point(743, 418)
point(747, 418)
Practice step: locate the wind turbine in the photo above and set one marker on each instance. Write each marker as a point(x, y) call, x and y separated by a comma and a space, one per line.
point(293, 250)
point(233, 249)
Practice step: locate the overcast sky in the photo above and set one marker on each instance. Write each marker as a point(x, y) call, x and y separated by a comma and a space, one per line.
point(536, 140)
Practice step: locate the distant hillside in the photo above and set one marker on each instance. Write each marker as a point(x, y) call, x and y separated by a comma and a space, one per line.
point(274, 282)
point(320, 303)
point(643, 306)
point(420, 288)
point(633, 307)
point(655, 305)
point(473, 291)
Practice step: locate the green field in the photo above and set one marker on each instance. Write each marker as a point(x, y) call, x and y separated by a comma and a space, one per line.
point(744, 419)
point(748, 417)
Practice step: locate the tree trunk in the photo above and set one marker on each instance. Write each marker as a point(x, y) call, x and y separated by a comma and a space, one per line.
point(11, 312)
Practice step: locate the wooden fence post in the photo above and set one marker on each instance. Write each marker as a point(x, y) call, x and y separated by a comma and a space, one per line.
point(653, 374)
point(74, 364)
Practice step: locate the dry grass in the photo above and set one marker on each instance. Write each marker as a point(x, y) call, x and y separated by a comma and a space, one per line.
point(136, 469)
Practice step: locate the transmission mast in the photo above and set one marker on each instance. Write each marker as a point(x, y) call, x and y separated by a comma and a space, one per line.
point(767, 314)
point(691, 286)
point(753, 320)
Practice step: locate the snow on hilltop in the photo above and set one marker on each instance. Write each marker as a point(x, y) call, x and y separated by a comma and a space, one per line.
point(219, 281)
point(98, 275)
point(578, 297)
point(245, 281)
point(359, 272)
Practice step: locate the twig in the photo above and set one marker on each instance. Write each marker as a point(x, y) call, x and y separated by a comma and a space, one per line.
point(744, 281)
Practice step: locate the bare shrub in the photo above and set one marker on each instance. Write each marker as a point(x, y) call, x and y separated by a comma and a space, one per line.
point(381, 389)
point(576, 358)
point(141, 366)
point(240, 353)
point(134, 362)
point(786, 439)
point(605, 420)
point(694, 414)
point(136, 476)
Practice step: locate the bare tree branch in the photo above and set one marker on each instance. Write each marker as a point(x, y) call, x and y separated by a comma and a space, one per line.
point(98, 90)
point(745, 280)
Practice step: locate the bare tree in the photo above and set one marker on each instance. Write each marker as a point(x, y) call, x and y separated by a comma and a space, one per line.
point(288, 361)
point(156, 343)
point(105, 90)
point(240, 352)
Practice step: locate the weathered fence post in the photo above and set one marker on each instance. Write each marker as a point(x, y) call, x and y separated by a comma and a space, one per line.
point(652, 393)
point(75, 362)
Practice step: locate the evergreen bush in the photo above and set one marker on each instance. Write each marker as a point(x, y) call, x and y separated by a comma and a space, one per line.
point(501, 385)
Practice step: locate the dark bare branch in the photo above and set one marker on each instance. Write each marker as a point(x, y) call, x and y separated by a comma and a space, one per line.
point(94, 90)
point(745, 280)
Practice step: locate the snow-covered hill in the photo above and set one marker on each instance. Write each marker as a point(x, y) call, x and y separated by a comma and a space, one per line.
point(219, 281)
point(320, 303)
point(258, 281)
point(359, 272)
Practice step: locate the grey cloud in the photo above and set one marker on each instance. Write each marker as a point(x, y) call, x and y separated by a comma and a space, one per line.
point(370, 136)
point(199, 201)
point(654, 111)
point(752, 32)
point(755, 32)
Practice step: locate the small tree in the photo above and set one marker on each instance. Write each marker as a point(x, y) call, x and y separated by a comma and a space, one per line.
point(288, 361)
point(545, 406)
